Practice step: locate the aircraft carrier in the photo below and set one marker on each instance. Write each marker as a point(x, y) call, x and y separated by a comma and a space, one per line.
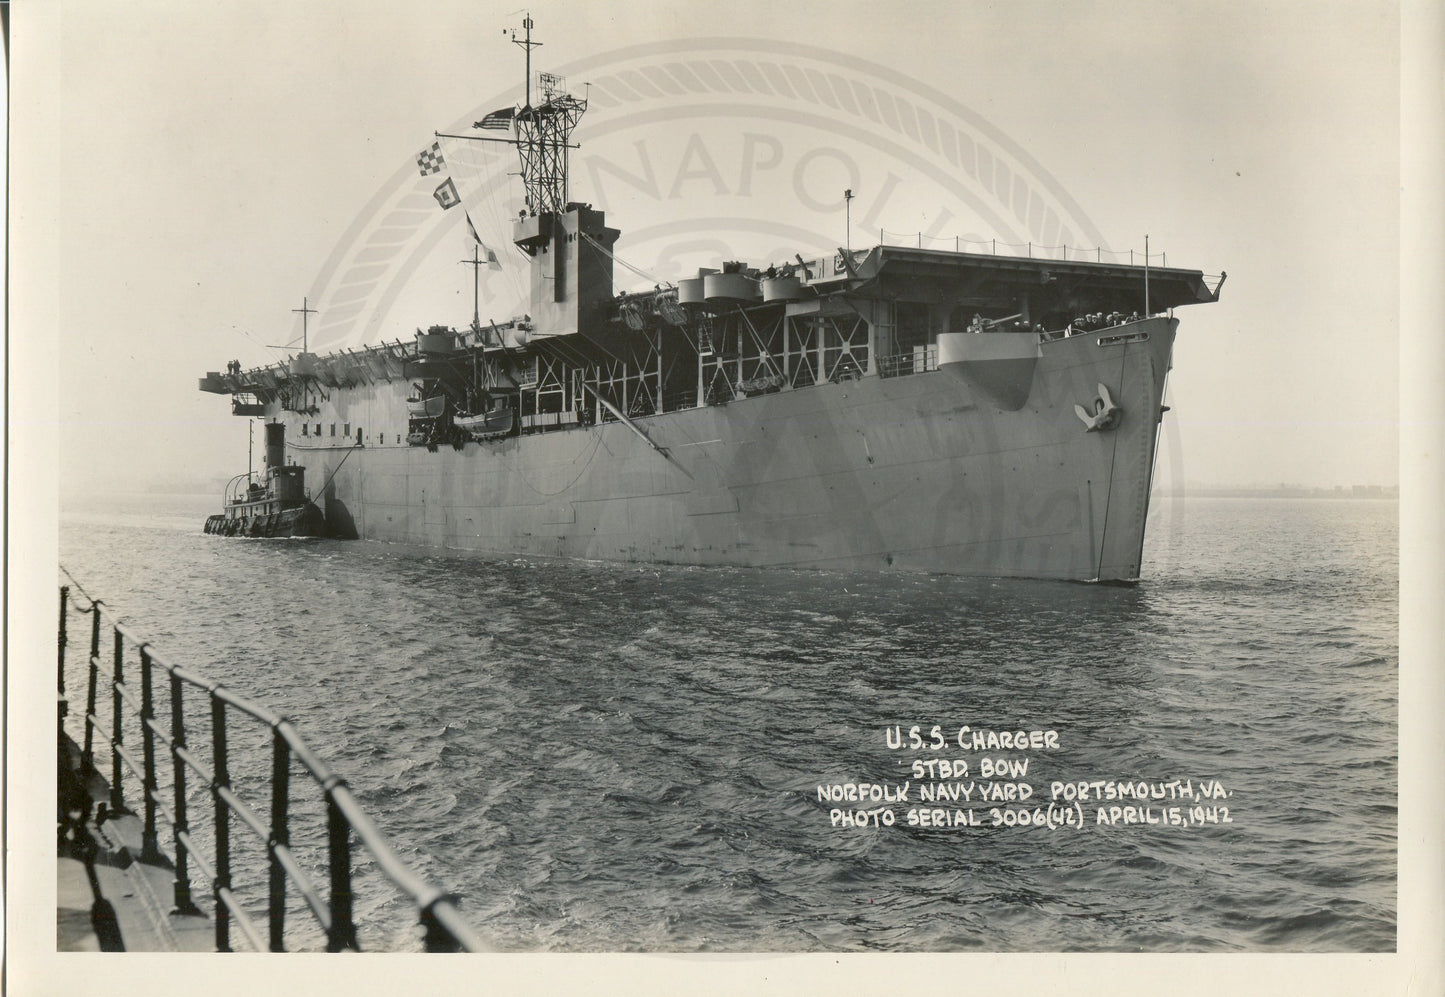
point(884, 408)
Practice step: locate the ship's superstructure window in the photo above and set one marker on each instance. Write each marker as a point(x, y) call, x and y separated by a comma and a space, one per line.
point(303, 429)
point(346, 429)
point(318, 429)
point(333, 429)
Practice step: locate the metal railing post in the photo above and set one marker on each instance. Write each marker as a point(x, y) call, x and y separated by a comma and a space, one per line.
point(95, 628)
point(280, 797)
point(92, 683)
point(60, 644)
point(444, 931)
point(343, 928)
point(438, 938)
point(221, 779)
point(149, 842)
point(117, 728)
point(184, 903)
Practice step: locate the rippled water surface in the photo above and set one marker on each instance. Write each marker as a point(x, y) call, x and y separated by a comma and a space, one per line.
point(609, 757)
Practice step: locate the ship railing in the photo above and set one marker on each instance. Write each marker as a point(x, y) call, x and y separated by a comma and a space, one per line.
point(398, 352)
point(549, 420)
point(1063, 252)
point(246, 403)
point(682, 397)
point(136, 714)
point(238, 489)
point(920, 360)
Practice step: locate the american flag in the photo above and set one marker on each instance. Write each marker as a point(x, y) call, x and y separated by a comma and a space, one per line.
point(501, 118)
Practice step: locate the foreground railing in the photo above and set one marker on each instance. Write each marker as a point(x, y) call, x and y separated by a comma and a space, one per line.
point(133, 713)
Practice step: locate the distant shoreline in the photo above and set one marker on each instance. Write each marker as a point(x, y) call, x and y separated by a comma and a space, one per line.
point(1384, 492)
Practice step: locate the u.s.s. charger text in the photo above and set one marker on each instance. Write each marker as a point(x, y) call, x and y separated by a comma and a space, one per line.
point(964, 777)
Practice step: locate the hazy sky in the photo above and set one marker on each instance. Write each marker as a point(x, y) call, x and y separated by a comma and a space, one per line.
point(214, 163)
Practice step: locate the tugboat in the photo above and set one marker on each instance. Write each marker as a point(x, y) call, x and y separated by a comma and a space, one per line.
point(277, 505)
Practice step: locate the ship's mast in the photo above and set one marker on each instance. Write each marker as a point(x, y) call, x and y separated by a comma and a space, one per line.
point(527, 45)
point(305, 311)
point(542, 134)
point(476, 264)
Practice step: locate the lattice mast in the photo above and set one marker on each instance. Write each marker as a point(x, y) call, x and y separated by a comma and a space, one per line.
point(543, 132)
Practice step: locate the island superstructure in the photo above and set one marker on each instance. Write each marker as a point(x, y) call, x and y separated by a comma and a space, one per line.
point(880, 408)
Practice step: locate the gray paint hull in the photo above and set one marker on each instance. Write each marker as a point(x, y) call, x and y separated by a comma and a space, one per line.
point(923, 473)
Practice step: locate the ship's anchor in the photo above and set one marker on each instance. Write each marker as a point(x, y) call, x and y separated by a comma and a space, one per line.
point(1105, 415)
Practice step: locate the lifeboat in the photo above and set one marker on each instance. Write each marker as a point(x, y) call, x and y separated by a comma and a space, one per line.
point(491, 423)
point(425, 408)
point(671, 312)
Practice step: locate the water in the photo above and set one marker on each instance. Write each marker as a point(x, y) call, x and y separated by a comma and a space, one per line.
point(615, 757)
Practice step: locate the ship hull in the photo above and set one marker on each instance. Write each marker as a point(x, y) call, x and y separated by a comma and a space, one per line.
point(929, 472)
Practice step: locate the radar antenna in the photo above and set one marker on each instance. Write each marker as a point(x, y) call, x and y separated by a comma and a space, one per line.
point(542, 133)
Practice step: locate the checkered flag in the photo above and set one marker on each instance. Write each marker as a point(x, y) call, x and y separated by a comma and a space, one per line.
point(431, 160)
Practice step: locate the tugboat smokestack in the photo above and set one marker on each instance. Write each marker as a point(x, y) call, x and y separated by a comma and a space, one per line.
point(275, 444)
